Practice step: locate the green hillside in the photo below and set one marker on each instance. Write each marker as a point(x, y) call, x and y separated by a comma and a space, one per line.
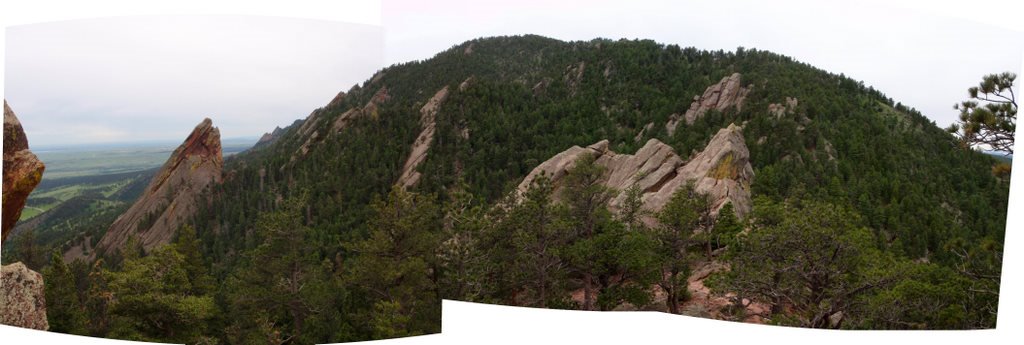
point(374, 260)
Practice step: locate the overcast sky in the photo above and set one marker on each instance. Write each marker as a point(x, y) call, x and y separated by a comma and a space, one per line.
point(153, 78)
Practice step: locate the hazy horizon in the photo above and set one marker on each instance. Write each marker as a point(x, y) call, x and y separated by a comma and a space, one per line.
point(153, 78)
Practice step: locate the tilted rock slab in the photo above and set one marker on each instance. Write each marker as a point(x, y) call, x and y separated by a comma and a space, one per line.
point(428, 115)
point(170, 199)
point(22, 297)
point(722, 170)
point(22, 171)
point(311, 136)
point(728, 93)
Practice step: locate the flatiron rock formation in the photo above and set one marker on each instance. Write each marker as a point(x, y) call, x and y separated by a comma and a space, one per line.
point(170, 199)
point(428, 114)
point(308, 130)
point(722, 170)
point(728, 93)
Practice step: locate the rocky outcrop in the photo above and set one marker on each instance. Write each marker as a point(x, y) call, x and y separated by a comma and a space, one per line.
point(673, 122)
point(22, 171)
point(728, 93)
point(780, 109)
point(574, 76)
point(337, 100)
point(378, 98)
point(370, 109)
point(722, 170)
point(310, 135)
point(170, 199)
point(643, 131)
point(466, 83)
point(22, 298)
point(428, 115)
point(269, 137)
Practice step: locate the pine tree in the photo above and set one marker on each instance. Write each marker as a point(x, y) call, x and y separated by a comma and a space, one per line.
point(64, 310)
point(993, 124)
point(816, 262)
point(727, 226)
point(586, 198)
point(679, 218)
point(282, 280)
point(462, 260)
point(396, 264)
point(152, 300)
point(187, 244)
point(539, 236)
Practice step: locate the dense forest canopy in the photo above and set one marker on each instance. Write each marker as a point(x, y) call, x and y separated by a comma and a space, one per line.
point(918, 220)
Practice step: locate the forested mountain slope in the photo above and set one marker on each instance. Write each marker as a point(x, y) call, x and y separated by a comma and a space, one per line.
point(509, 103)
point(353, 223)
point(528, 98)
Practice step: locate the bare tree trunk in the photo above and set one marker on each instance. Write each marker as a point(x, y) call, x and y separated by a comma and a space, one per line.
point(673, 300)
point(588, 293)
point(543, 290)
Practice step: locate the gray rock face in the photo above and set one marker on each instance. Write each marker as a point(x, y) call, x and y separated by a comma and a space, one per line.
point(422, 144)
point(643, 131)
point(779, 109)
point(22, 298)
point(169, 200)
point(722, 170)
point(574, 76)
point(727, 94)
point(673, 122)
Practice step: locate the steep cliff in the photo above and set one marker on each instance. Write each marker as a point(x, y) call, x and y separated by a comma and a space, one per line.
point(170, 199)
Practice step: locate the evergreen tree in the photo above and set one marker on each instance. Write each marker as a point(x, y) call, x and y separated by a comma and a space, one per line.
point(818, 261)
point(539, 236)
point(396, 264)
point(283, 283)
point(679, 218)
point(727, 226)
point(586, 198)
point(152, 300)
point(187, 244)
point(463, 261)
point(64, 310)
point(993, 124)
